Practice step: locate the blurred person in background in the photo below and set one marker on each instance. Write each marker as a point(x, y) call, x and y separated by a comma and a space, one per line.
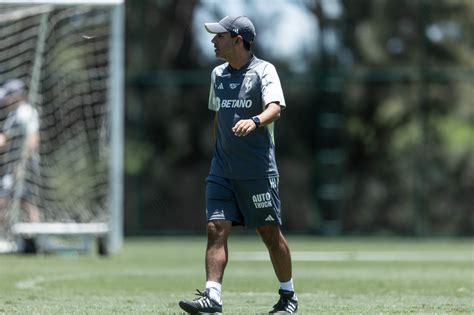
point(242, 186)
point(19, 144)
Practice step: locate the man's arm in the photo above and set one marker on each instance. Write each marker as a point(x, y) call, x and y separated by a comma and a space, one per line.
point(245, 126)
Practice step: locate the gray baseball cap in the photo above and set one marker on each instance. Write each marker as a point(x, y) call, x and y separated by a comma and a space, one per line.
point(240, 25)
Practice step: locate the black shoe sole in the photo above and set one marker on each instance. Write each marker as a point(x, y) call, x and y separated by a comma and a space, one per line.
point(187, 308)
point(191, 310)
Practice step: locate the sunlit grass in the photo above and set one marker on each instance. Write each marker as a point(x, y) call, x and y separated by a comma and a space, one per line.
point(151, 275)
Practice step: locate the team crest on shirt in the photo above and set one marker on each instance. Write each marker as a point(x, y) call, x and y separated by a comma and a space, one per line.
point(233, 86)
point(248, 84)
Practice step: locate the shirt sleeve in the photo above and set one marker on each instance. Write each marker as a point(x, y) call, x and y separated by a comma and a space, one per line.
point(213, 101)
point(271, 87)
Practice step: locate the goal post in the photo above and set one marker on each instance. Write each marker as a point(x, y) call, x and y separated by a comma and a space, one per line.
point(62, 65)
point(116, 108)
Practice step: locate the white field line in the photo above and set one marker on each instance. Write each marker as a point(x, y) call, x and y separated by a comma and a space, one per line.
point(362, 256)
point(30, 283)
point(36, 282)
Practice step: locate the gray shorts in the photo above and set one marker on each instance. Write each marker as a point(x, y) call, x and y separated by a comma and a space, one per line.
point(252, 203)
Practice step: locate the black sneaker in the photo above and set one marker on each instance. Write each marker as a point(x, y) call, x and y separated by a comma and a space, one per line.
point(202, 305)
point(287, 304)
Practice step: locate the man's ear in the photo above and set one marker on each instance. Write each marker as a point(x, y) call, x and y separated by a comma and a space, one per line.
point(237, 39)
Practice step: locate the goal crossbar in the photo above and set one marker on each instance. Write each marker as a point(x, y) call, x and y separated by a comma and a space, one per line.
point(78, 229)
point(65, 2)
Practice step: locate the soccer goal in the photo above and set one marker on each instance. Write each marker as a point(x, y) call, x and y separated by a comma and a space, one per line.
point(61, 124)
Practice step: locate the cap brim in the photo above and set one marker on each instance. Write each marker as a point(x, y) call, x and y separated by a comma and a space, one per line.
point(215, 28)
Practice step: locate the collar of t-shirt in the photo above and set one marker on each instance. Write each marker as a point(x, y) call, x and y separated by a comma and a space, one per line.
point(243, 68)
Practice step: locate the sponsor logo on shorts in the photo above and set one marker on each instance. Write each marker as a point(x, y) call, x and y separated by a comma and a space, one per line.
point(216, 215)
point(269, 218)
point(262, 200)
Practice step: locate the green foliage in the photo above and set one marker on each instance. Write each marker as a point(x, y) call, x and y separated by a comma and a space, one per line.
point(410, 125)
point(401, 81)
point(137, 155)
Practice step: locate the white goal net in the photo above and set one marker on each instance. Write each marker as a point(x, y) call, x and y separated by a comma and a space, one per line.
point(61, 119)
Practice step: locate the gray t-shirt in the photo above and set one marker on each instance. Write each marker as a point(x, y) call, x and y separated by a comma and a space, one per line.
point(242, 94)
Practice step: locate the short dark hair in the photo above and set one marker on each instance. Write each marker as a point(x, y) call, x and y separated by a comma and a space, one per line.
point(246, 43)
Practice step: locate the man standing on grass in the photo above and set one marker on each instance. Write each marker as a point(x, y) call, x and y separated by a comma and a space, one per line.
point(19, 142)
point(242, 186)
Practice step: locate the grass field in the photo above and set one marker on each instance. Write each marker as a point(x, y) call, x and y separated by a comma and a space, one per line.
point(332, 276)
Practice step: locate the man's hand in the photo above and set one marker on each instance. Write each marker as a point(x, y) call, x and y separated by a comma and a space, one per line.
point(244, 127)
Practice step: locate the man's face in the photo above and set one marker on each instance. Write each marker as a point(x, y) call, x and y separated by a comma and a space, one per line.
point(223, 45)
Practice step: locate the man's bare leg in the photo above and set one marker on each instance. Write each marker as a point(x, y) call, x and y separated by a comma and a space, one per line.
point(216, 252)
point(216, 256)
point(278, 249)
